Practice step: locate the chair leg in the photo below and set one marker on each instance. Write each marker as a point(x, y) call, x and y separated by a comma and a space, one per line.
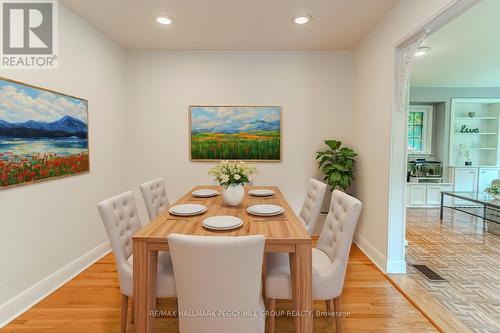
point(330, 308)
point(132, 311)
point(272, 313)
point(123, 327)
point(338, 319)
point(264, 278)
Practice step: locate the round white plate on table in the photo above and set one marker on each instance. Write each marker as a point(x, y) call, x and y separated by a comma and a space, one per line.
point(260, 193)
point(222, 222)
point(205, 193)
point(187, 209)
point(265, 210)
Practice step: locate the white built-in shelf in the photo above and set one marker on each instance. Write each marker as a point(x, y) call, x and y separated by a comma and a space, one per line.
point(471, 134)
point(476, 148)
point(481, 148)
point(476, 118)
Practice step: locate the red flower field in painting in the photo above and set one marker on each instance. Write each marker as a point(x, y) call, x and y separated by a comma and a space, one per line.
point(29, 170)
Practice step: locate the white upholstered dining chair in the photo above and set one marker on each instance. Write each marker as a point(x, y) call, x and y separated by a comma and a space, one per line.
point(312, 204)
point(329, 259)
point(217, 273)
point(121, 221)
point(155, 197)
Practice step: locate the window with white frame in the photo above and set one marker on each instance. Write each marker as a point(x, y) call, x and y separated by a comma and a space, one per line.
point(420, 129)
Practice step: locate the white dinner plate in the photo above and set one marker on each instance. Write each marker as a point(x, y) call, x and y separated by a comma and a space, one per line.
point(222, 222)
point(205, 193)
point(265, 210)
point(187, 209)
point(261, 193)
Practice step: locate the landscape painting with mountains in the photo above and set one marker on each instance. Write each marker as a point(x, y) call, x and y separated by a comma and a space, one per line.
point(43, 134)
point(235, 133)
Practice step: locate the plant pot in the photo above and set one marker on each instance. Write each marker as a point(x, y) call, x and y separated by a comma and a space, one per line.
point(233, 194)
point(325, 207)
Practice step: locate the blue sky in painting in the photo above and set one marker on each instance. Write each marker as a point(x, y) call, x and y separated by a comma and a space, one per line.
point(235, 119)
point(19, 103)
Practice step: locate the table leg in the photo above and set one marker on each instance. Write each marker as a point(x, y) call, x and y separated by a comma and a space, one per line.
point(145, 266)
point(484, 216)
point(441, 208)
point(301, 270)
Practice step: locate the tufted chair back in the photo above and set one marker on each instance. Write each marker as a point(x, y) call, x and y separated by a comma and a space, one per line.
point(121, 221)
point(312, 204)
point(336, 238)
point(155, 197)
point(218, 273)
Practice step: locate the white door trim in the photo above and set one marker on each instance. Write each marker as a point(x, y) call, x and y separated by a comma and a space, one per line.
point(396, 261)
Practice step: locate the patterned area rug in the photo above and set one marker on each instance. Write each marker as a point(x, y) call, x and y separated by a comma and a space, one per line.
point(466, 255)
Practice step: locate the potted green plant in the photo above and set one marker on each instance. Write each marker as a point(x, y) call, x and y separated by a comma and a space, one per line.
point(494, 190)
point(337, 164)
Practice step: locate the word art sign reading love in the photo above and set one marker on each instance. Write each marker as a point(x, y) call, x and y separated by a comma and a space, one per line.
point(465, 129)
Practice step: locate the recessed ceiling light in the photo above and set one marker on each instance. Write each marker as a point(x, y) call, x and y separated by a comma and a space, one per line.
point(422, 50)
point(165, 20)
point(301, 19)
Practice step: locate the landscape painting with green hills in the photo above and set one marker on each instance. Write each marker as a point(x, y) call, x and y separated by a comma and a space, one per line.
point(235, 133)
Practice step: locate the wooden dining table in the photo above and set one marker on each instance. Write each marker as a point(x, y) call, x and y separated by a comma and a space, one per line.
point(283, 233)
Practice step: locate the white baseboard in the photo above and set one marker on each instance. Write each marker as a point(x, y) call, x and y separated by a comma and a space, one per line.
point(17, 305)
point(371, 252)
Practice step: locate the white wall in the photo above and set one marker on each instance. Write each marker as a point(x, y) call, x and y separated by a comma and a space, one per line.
point(441, 137)
point(313, 88)
point(373, 117)
point(45, 226)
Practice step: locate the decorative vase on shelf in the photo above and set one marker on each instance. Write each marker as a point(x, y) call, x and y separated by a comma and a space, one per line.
point(233, 194)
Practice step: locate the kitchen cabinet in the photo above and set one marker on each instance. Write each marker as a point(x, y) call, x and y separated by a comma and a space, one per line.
point(473, 179)
point(465, 179)
point(486, 176)
point(417, 194)
point(433, 193)
point(425, 195)
point(462, 179)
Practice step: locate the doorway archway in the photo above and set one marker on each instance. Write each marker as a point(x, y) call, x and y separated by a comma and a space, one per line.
point(404, 51)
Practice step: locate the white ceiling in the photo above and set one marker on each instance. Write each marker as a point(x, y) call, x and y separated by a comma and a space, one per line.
point(464, 53)
point(233, 24)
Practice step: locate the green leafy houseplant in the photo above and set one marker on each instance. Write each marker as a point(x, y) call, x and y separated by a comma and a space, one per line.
point(337, 163)
point(493, 190)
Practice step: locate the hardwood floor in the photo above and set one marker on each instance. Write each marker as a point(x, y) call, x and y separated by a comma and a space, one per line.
point(91, 303)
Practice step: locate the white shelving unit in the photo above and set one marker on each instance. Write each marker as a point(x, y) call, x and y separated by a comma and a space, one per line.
point(481, 116)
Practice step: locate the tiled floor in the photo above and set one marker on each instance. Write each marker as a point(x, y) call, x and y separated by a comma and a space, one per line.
point(467, 256)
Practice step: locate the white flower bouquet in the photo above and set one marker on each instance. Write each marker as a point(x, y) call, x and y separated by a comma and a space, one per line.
point(228, 173)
